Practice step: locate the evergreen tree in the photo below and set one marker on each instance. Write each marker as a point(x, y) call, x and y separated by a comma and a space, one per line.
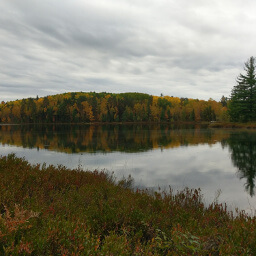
point(242, 106)
point(224, 101)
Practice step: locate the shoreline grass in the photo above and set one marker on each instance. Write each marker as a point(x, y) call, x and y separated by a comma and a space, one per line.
point(249, 125)
point(58, 211)
point(114, 123)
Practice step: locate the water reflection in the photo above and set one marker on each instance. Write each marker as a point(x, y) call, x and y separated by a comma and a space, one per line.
point(106, 138)
point(162, 154)
point(242, 147)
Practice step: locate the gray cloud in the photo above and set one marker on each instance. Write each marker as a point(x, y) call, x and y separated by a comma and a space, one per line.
point(185, 49)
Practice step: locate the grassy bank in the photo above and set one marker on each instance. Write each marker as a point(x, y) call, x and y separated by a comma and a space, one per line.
point(233, 125)
point(56, 211)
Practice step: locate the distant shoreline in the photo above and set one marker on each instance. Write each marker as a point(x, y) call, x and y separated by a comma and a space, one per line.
point(113, 123)
point(232, 125)
point(213, 124)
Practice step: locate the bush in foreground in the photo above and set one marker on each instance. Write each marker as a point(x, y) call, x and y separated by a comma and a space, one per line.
point(57, 211)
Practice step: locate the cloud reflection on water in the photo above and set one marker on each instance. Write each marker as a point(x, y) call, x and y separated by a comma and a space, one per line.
point(203, 165)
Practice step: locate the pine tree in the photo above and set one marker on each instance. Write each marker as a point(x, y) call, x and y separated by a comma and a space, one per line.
point(242, 105)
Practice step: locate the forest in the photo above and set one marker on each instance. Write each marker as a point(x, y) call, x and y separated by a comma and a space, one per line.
point(88, 107)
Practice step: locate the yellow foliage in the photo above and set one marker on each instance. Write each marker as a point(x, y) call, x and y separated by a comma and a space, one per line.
point(175, 101)
point(40, 101)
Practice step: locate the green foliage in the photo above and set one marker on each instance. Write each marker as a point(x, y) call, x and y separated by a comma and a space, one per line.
point(208, 114)
point(81, 107)
point(57, 211)
point(242, 107)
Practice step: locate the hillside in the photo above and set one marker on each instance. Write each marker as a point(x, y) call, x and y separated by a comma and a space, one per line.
point(81, 107)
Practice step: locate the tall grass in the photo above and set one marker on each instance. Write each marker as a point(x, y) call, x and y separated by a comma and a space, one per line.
point(58, 211)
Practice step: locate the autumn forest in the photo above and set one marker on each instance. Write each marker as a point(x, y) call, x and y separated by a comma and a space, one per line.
point(81, 107)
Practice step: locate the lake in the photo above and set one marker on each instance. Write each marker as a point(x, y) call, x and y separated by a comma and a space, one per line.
point(218, 161)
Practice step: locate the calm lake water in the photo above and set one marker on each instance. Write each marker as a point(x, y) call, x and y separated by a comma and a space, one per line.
point(213, 160)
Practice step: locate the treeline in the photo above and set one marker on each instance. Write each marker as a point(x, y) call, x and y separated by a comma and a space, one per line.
point(109, 107)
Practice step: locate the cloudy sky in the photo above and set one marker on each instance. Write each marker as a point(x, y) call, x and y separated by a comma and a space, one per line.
point(182, 48)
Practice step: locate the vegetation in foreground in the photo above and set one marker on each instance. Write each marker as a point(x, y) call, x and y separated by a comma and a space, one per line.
point(57, 211)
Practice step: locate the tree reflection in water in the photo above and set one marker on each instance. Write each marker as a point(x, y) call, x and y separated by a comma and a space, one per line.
point(74, 139)
point(106, 138)
point(242, 147)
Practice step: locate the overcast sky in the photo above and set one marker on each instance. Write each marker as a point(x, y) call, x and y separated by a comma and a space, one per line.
point(183, 48)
